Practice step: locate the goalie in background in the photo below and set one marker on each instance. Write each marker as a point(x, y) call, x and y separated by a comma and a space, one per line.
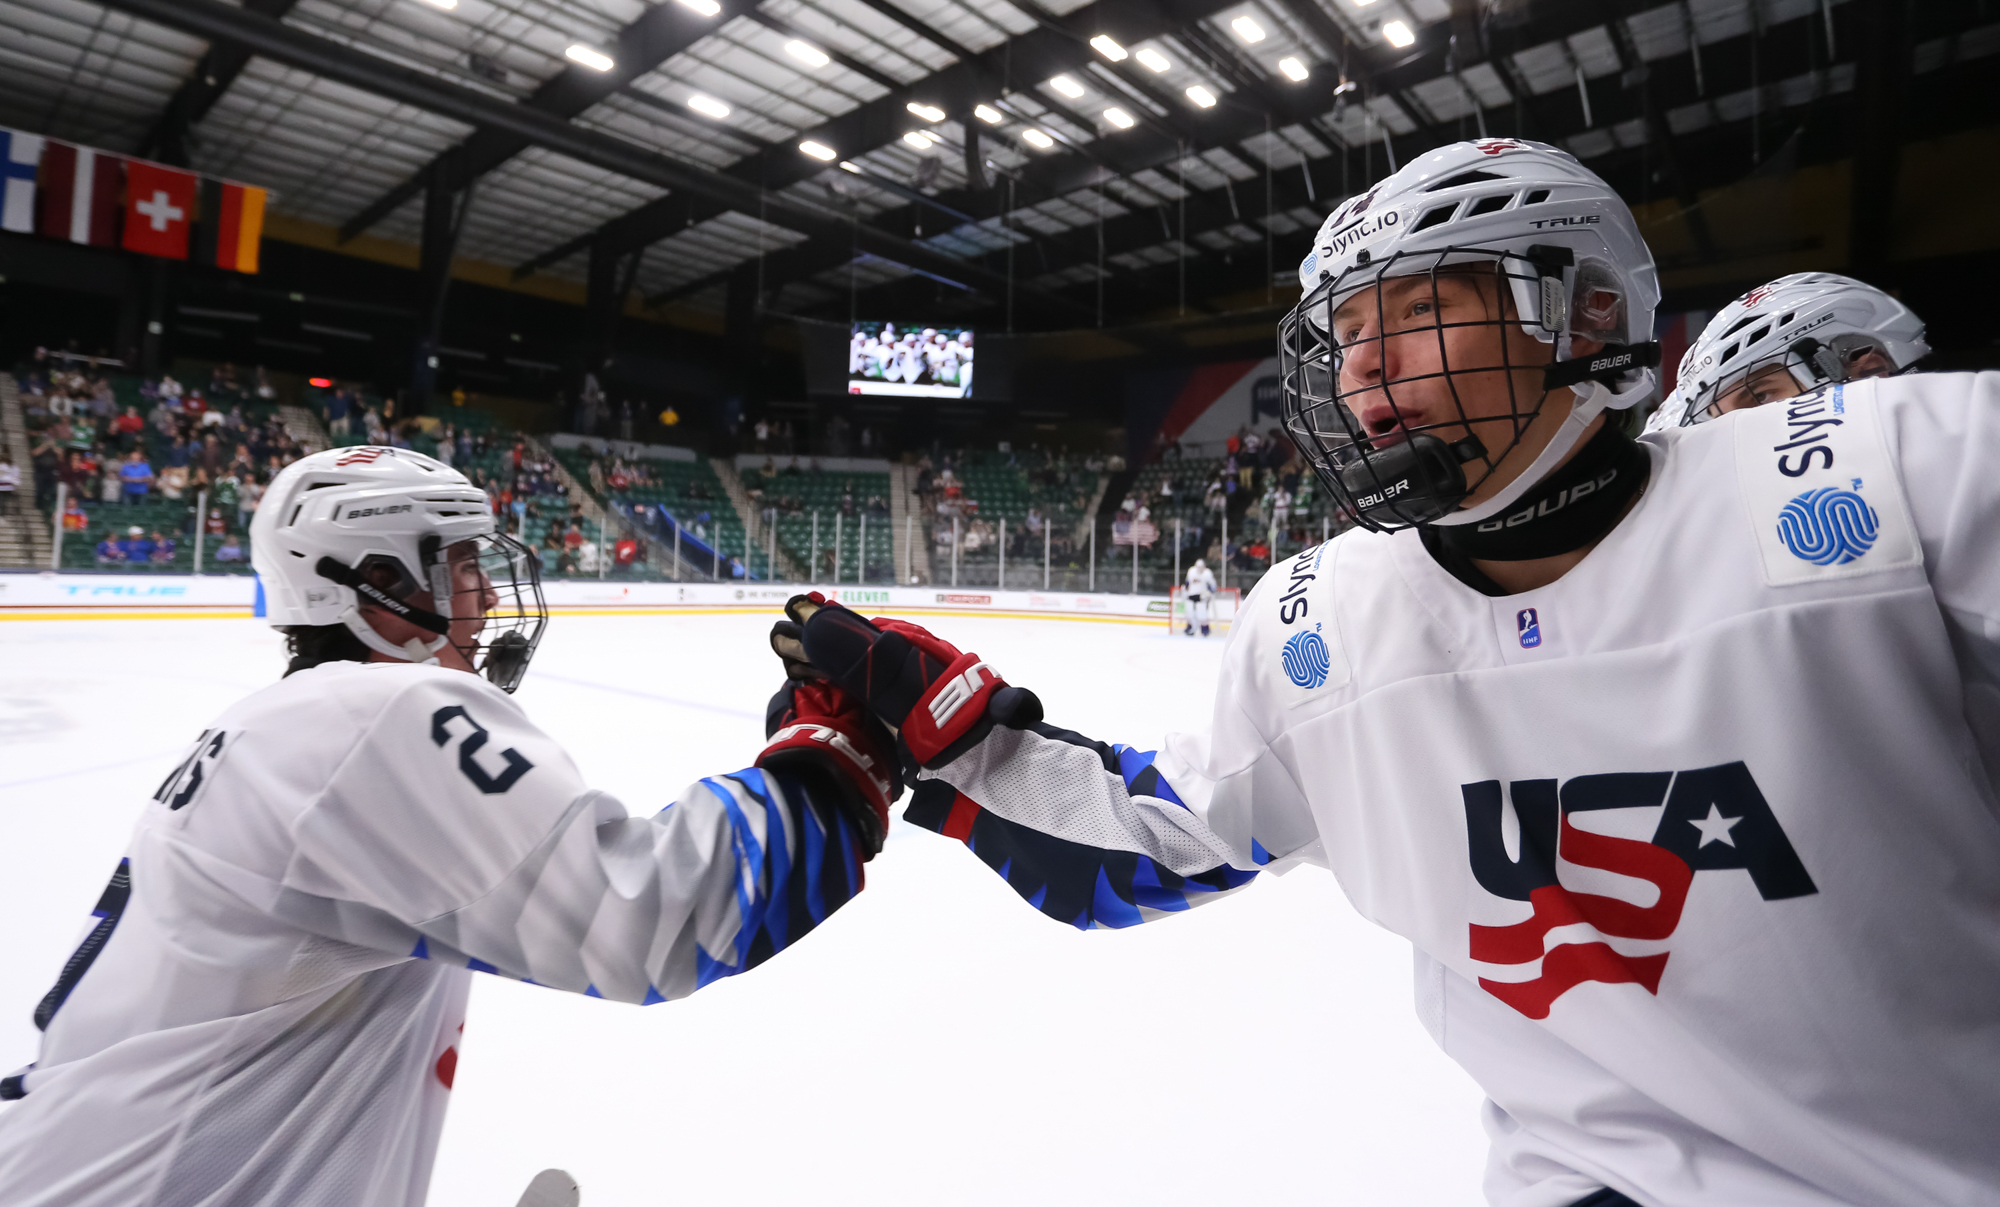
point(1200, 585)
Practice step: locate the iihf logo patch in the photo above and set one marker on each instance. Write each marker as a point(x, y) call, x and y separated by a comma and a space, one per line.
point(1829, 526)
point(1306, 660)
point(1529, 625)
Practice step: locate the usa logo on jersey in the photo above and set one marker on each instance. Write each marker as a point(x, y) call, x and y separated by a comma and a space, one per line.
point(1714, 819)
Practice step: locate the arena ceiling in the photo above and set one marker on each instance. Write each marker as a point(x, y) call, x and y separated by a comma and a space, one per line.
point(816, 149)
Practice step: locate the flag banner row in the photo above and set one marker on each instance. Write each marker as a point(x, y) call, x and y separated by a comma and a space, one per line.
point(101, 199)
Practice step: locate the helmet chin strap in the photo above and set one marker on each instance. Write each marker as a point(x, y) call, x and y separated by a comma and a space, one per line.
point(413, 650)
point(1589, 399)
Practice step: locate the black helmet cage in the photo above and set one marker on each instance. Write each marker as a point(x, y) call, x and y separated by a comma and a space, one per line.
point(1417, 478)
point(512, 628)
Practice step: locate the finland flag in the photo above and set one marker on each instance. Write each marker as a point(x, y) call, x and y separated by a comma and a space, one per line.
point(20, 155)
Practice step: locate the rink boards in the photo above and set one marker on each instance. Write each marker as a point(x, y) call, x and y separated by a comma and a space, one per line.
point(50, 596)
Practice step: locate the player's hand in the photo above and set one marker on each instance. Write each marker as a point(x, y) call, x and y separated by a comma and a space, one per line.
point(788, 643)
point(819, 731)
point(939, 701)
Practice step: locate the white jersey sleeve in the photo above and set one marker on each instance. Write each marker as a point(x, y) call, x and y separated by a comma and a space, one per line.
point(1099, 834)
point(455, 817)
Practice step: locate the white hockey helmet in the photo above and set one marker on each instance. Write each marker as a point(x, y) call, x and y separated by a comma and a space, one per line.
point(1813, 324)
point(1552, 233)
point(380, 526)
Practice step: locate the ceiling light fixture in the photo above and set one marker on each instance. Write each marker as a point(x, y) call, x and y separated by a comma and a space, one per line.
point(1247, 29)
point(1035, 138)
point(930, 113)
point(1398, 34)
point(709, 106)
point(1201, 96)
point(918, 139)
point(819, 150)
point(707, 8)
point(1345, 86)
point(443, 4)
point(1105, 46)
point(807, 53)
point(988, 114)
point(1294, 70)
point(847, 165)
point(1067, 86)
point(596, 60)
point(1119, 118)
point(1153, 59)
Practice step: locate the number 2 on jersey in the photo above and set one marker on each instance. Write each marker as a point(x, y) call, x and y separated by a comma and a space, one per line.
point(469, 748)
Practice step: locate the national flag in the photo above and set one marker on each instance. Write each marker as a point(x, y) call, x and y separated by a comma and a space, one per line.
point(20, 157)
point(78, 189)
point(232, 225)
point(159, 209)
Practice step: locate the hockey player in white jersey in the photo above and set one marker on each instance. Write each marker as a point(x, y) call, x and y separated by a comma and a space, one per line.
point(1787, 336)
point(266, 1010)
point(1673, 759)
point(1200, 595)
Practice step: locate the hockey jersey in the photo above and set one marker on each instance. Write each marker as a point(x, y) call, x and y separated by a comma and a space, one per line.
point(267, 1008)
point(1697, 846)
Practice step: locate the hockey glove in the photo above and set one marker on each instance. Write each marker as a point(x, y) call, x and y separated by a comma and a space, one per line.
point(818, 732)
point(940, 702)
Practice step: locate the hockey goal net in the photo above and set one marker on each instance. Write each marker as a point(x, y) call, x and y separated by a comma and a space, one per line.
point(1221, 609)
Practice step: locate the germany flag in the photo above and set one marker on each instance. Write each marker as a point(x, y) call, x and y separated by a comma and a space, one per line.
point(232, 225)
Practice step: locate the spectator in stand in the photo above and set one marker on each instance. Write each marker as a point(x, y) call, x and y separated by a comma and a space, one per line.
point(736, 569)
point(573, 538)
point(217, 526)
point(252, 493)
point(128, 428)
point(109, 553)
point(195, 407)
point(446, 449)
point(163, 549)
point(625, 552)
point(46, 454)
point(10, 481)
point(227, 493)
point(75, 519)
point(336, 412)
point(110, 480)
point(136, 477)
point(232, 550)
point(170, 389)
point(138, 550)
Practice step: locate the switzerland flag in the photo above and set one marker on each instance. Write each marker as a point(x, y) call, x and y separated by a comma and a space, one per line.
point(159, 209)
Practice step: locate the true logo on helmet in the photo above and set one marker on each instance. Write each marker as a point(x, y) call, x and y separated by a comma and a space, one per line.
point(360, 456)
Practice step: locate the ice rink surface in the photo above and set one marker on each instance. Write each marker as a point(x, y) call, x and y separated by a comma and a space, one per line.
point(936, 1042)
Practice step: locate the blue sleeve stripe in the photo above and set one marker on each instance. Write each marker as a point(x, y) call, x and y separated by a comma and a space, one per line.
point(1073, 882)
point(749, 862)
point(1144, 779)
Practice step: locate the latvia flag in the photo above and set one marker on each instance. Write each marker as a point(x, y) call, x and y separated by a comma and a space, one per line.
point(159, 209)
point(232, 225)
point(78, 190)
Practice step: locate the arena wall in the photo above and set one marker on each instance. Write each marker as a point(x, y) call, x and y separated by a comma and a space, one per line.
point(49, 596)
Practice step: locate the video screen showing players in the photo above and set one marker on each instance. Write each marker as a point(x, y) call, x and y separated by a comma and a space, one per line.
point(910, 361)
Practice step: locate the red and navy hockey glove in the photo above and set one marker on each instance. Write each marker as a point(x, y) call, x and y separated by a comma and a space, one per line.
point(817, 731)
point(940, 702)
